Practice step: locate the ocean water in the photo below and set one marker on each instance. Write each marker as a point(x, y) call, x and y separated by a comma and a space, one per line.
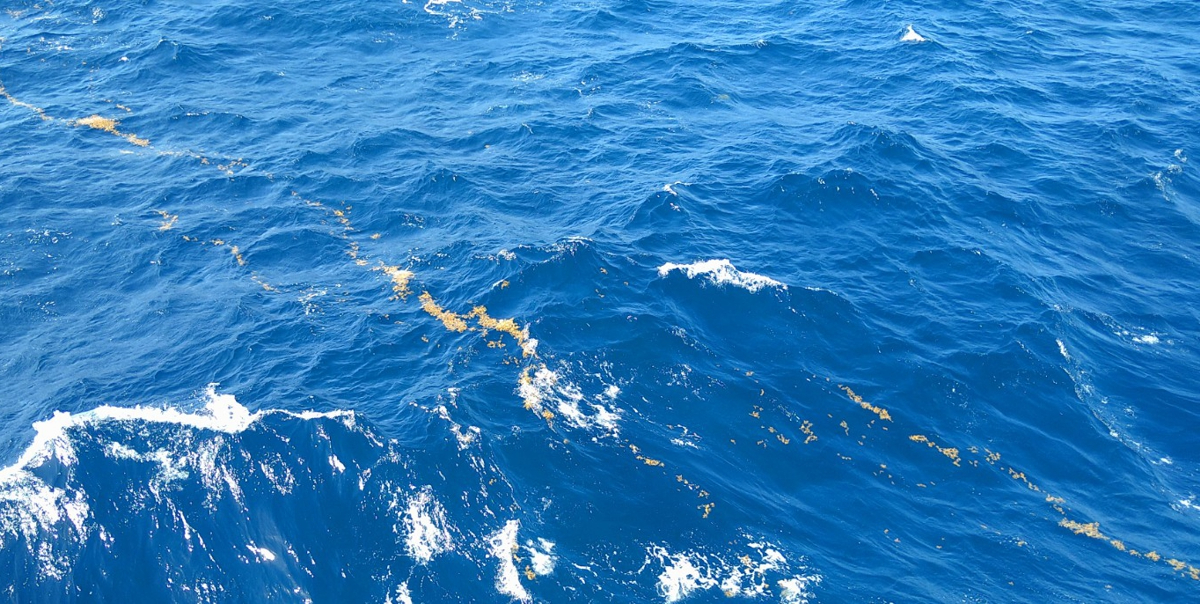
point(599, 301)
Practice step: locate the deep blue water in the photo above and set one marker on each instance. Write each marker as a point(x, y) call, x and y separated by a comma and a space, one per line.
point(810, 302)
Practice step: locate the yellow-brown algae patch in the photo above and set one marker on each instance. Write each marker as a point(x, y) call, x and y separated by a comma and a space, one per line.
point(1178, 565)
point(169, 220)
point(950, 452)
point(880, 411)
point(451, 320)
point(806, 428)
point(1154, 556)
point(99, 123)
point(707, 507)
point(1091, 529)
point(400, 278)
point(233, 163)
point(341, 217)
point(650, 462)
point(531, 403)
point(507, 326)
point(529, 574)
point(1056, 503)
point(1021, 476)
point(237, 254)
point(109, 125)
point(137, 140)
point(19, 103)
point(783, 439)
point(266, 286)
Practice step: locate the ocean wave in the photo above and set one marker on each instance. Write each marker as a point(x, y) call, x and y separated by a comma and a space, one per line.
point(721, 272)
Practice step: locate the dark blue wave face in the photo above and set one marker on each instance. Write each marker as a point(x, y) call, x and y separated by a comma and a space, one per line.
point(599, 302)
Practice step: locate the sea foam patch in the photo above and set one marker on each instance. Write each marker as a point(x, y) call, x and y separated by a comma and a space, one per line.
point(760, 571)
point(502, 545)
point(721, 272)
point(912, 37)
point(425, 527)
point(547, 393)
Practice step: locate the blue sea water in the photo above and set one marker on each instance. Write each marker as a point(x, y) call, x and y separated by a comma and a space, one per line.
point(599, 301)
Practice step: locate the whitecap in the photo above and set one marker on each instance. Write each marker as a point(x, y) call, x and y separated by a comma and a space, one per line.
point(758, 573)
point(682, 576)
point(546, 391)
point(502, 545)
point(263, 554)
point(911, 36)
point(402, 595)
point(670, 187)
point(797, 589)
point(721, 272)
point(425, 525)
point(541, 556)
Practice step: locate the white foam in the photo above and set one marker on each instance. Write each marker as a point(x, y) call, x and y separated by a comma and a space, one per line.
point(221, 413)
point(425, 527)
point(757, 573)
point(670, 188)
point(541, 556)
point(402, 595)
point(528, 345)
point(543, 388)
point(721, 272)
point(41, 506)
point(465, 438)
point(1150, 339)
point(503, 546)
point(263, 554)
point(1062, 349)
point(911, 36)
point(679, 579)
point(796, 590)
point(336, 464)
